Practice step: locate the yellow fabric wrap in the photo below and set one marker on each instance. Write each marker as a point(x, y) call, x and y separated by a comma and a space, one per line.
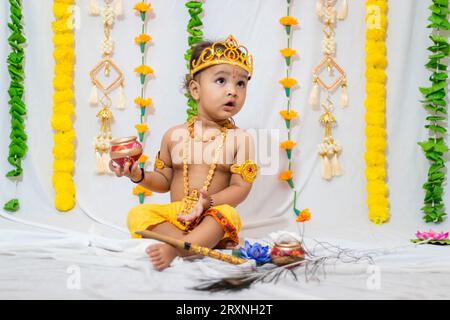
point(146, 215)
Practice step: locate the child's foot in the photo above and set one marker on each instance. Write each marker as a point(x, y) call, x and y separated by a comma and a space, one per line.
point(225, 244)
point(161, 255)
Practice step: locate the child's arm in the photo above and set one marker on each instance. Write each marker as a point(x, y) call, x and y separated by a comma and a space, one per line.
point(158, 180)
point(239, 188)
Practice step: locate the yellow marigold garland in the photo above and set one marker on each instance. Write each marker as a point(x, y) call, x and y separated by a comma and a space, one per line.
point(375, 104)
point(141, 102)
point(289, 114)
point(63, 107)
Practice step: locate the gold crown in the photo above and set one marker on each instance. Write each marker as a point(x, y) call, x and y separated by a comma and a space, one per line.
point(228, 51)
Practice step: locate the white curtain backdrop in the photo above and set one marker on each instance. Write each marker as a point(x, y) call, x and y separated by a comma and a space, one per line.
point(338, 207)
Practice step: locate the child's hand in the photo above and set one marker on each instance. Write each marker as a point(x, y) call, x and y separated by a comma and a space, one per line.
point(197, 210)
point(129, 170)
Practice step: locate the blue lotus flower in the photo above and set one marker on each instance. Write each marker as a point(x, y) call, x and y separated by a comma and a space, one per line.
point(256, 252)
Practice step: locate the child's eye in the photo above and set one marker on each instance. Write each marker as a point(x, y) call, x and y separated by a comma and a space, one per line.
point(220, 81)
point(241, 84)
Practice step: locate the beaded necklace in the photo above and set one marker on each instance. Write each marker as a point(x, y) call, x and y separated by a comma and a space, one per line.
point(190, 199)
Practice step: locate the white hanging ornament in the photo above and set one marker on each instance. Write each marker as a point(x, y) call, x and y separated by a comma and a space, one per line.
point(336, 166)
point(107, 46)
point(335, 150)
point(118, 8)
point(319, 8)
point(122, 99)
point(99, 168)
point(325, 167)
point(93, 8)
point(344, 96)
point(314, 97)
point(343, 11)
point(326, 172)
point(329, 45)
point(108, 16)
point(93, 97)
point(329, 15)
point(105, 162)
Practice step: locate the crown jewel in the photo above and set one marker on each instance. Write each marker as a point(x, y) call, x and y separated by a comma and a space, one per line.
point(228, 51)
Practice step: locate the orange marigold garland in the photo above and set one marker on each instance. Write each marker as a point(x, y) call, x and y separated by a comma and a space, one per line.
point(289, 114)
point(63, 106)
point(142, 102)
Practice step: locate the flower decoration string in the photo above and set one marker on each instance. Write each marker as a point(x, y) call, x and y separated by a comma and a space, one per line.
point(63, 105)
point(18, 138)
point(330, 148)
point(375, 104)
point(142, 102)
point(435, 147)
point(288, 83)
point(195, 9)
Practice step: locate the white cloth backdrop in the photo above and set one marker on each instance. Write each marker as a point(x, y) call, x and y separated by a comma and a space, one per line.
point(338, 207)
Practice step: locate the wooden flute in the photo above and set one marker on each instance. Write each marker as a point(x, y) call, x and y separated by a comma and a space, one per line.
point(180, 244)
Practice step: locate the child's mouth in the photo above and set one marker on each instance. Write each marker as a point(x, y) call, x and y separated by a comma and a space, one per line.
point(229, 106)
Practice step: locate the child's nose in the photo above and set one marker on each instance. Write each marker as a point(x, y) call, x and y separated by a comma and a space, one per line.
point(231, 91)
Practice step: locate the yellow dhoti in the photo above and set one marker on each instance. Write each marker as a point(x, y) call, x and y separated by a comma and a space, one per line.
point(144, 216)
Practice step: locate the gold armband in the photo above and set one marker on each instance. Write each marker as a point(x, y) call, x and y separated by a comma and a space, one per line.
point(247, 170)
point(159, 164)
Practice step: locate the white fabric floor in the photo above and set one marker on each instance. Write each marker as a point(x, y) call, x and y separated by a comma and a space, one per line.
point(43, 264)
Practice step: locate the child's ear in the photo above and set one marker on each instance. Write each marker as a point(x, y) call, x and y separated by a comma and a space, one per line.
point(194, 89)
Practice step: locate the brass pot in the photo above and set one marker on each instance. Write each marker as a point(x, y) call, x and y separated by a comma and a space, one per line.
point(286, 253)
point(125, 149)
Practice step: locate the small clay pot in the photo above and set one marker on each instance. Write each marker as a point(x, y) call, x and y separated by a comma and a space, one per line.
point(125, 149)
point(286, 253)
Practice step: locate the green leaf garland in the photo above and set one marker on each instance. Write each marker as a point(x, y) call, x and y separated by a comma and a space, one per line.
point(434, 102)
point(18, 137)
point(195, 35)
point(438, 242)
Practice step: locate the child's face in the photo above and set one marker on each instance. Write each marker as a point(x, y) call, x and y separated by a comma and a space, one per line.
point(220, 91)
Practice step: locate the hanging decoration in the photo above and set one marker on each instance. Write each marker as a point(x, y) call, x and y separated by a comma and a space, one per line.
point(375, 104)
point(330, 148)
point(63, 105)
point(195, 35)
point(288, 83)
point(18, 138)
point(142, 8)
point(108, 13)
point(435, 147)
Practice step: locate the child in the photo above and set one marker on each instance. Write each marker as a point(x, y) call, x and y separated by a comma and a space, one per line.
point(206, 164)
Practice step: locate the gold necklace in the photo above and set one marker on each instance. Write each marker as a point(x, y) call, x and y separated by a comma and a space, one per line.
point(197, 138)
point(190, 199)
